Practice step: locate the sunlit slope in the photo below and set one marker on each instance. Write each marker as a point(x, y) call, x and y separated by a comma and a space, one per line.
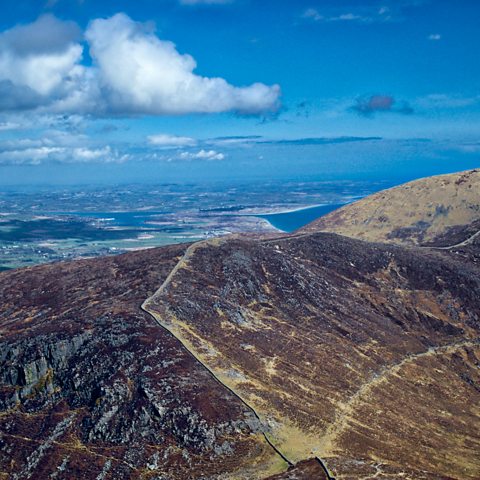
point(441, 210)
point(281, 348)
point(357, 353)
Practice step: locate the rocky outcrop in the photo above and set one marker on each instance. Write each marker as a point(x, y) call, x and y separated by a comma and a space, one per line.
point(91, 387)
point(28, 367)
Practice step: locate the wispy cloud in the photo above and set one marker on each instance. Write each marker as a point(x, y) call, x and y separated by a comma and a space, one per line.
point(313, 14)
point(201, 155)
point(469, 148)
point(171, 141)
point(435, 37)
point(9, 126)
point(322, 141)
point(439, 101)
point(363, 16)
point(42, 152)
point(369, 106)
point(363, 12)
point(258, 140)
point(235, 140)
point(57, 146)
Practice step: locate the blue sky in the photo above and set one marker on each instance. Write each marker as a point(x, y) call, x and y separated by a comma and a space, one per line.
point(151, 90)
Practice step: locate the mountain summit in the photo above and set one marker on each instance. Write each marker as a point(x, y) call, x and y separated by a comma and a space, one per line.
point(440, 211)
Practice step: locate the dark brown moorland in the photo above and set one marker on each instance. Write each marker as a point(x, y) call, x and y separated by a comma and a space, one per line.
point(233, 358)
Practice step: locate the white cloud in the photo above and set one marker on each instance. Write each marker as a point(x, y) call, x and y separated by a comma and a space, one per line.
point(171, 141)
point(364, 12)
point(44, 154)
point(57, 146)
point(138, 72)
point(31, 156)
point(202, 155)
point(9, 126)
point(243, 140)
point(313, 14)
point(40, 59)
point(435, 37)
point(133, 73)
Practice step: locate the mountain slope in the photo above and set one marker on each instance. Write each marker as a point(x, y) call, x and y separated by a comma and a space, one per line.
point(305, 356)
point(356, 353)
point(441, 211)
point(91, 387)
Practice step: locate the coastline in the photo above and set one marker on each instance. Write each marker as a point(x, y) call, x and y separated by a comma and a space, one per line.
point(290, 220)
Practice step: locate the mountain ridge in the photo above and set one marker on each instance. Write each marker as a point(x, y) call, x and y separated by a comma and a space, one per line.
point(264, 352)
point(432, 211)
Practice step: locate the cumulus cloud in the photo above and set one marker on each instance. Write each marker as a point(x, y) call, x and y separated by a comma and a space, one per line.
point(435, 37)
point(46, 36)
point(18, 97)
point(171, 141)
point(40, 64)
point(368, 106)
point(133, 72)
point(138, 72)
point(38, 61)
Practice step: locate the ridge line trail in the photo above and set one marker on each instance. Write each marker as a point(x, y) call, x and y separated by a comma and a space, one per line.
point(191, 250)
point(145, 307)
point(348, 408)
point(180, 264)
point(465, 242)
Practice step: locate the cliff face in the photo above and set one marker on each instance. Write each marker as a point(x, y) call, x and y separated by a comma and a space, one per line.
point(91, 387)
point(436, 211)
point(233, 358)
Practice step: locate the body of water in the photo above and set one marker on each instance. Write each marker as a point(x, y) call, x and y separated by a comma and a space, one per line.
point(290, 221)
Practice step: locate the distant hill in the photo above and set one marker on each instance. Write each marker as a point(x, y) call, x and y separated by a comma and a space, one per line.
point(442, 210)
point(306, 356)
